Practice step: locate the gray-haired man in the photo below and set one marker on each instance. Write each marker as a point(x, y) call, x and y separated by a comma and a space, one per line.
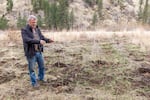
point(33, 42)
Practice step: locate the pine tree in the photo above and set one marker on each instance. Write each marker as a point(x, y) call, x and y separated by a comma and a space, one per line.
point(63, 14)
point(53, 16)
point(36, 5)
point(94, 19)
point(148, 15)
point(100, 7)
point(46, 9)
point(41, 2)
point(9, 5)
point(3, 23)
point(71, 19)
point(145, 12)
point(21, 22)
point(140, 14)
point(39, 21)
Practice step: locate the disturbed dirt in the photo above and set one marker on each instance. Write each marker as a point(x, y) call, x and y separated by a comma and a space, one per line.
point(102, 69)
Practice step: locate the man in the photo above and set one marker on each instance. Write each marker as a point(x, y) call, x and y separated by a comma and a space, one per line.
point(33, 42)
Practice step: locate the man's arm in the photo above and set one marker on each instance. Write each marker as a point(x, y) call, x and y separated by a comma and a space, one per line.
point(45, 39)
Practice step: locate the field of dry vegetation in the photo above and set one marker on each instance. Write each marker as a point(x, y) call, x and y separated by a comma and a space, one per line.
point(79, 66)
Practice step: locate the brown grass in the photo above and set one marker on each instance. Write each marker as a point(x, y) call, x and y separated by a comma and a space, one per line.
point(83, 50)
point(138, 37)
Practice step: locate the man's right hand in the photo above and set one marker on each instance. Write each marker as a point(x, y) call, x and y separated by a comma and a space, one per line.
point(50, 40)
point(42, 42)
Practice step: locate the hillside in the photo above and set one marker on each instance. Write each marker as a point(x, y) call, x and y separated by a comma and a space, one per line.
point(89, 66)
point(105, 55)
point(116, 14)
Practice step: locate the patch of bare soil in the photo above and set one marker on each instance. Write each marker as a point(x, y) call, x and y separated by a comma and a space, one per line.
point(6, 76)
point(142, 79)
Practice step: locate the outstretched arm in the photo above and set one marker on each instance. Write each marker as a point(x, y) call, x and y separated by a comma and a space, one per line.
point(45, 39)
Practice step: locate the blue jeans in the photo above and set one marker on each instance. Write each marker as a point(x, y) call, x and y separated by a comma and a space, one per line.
point(38, 57)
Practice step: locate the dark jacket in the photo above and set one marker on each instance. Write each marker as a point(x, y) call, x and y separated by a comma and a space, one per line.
point(29, 41)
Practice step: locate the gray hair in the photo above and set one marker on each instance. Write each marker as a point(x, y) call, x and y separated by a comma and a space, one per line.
point(31, 17)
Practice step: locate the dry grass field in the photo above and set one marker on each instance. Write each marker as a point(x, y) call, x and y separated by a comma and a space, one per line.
point(79, 66)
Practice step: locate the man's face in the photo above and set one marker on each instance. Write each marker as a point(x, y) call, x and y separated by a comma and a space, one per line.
point(33, 22)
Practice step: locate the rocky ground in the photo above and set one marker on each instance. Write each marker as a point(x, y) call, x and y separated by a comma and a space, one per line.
point(100, 69)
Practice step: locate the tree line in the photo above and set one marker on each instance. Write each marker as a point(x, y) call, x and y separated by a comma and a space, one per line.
point(58, 16)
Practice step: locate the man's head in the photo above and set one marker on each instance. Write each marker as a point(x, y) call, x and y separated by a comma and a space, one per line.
point(32, 21)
